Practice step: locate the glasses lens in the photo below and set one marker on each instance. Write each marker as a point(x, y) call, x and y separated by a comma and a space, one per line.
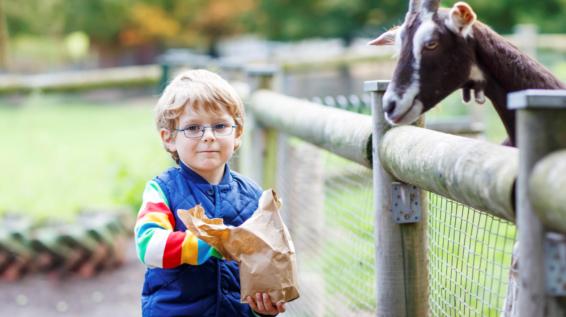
point(193, 131)
point(197, 131)
point(222, 129)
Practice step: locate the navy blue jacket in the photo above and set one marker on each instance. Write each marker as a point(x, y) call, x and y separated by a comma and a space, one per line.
point(212, 288)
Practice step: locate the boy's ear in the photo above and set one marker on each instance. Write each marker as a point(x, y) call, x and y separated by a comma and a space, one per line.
point(168, 139)
point(238, 141)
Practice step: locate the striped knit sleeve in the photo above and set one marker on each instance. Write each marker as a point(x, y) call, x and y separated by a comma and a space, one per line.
point(157, 245)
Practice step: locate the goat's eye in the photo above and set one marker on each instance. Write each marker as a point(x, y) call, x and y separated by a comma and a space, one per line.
point(431, 45)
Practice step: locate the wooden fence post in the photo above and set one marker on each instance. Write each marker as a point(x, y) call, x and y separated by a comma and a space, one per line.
point(259, 159)
point(400, 256)
point(231, 71)
point(526, 37)
point(541, 129)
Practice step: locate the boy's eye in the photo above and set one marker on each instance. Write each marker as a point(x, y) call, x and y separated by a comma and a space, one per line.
point(220, 126)
point(193, 128)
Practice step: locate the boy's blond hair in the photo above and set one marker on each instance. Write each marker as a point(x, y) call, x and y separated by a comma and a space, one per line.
point(198, 88)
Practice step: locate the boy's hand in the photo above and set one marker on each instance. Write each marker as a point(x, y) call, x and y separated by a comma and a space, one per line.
point(262, 304)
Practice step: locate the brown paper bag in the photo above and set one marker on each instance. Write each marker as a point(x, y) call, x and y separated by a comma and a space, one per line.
point(261, 245)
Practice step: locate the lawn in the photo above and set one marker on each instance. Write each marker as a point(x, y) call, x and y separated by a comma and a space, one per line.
point(61, 154)
point(469, 251)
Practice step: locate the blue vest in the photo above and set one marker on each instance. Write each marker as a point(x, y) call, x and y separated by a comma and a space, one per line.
point(212, 288)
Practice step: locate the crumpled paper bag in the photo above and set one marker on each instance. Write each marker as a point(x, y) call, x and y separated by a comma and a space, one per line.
point(262, 246)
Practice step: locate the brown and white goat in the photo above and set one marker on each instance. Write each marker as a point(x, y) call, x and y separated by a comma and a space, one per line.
point(442, 50)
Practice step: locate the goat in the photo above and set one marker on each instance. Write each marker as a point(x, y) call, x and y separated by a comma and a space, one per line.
point(442, 50)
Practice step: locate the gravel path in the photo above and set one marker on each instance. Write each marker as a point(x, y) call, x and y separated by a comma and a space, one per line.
point(112, 293)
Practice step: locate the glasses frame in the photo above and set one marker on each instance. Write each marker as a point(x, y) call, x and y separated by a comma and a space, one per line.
point(203, 130)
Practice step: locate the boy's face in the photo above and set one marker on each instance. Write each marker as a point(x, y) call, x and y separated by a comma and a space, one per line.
point(206, 155)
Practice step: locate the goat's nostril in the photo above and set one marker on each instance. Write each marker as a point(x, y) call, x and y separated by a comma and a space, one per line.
point(389, 107)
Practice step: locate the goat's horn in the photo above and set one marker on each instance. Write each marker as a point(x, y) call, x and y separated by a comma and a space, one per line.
point(431, 5)
point(414, 6)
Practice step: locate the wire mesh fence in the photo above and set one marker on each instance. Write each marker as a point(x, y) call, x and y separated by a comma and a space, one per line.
point(328, 206)
point(469, 259)
point(354, 103)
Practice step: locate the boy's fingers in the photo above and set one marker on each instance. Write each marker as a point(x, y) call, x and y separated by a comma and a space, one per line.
point(269, 305)
point(251, 302)
point(281, 306)
point(267, 301)
point(259, 302)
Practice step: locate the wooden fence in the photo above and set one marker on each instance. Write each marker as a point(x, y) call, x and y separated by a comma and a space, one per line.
point(526, 37)
point(475, 173)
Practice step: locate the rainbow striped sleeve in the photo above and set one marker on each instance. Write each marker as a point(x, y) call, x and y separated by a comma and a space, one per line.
point(157, 244)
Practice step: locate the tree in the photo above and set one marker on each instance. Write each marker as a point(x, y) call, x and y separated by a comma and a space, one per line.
point(197, 23)
point(210, 21)
point(3, 37)
point(503, 15)
point(296, 19)
point(149, 23)
point(102, 20)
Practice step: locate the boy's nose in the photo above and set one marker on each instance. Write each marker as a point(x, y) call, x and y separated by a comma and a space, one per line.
point(207, 134)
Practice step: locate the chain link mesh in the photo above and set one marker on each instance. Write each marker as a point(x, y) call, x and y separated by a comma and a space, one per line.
point(469, 259)
point(328, 207)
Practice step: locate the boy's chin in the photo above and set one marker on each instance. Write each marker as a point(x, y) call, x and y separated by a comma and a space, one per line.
point(209, 168)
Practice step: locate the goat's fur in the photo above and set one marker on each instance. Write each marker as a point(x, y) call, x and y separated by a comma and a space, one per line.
point(456, 52)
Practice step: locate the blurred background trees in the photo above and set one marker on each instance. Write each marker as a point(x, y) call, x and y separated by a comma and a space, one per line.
point(135, 31)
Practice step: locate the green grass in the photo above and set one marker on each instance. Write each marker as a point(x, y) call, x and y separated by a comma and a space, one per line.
point(62, 154)
point(469, 251)
point(348, 258)
point(469, 259)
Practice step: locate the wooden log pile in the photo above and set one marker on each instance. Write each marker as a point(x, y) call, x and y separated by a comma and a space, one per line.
point(94, 243)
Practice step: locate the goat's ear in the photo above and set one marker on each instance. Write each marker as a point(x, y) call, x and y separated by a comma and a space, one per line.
point(387, 38)
point(461, 19)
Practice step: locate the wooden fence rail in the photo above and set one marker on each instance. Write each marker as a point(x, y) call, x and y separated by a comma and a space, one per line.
point(121, 77)
point(547, 180)
point(474, 172)
point(342, 132)
point(478, 174)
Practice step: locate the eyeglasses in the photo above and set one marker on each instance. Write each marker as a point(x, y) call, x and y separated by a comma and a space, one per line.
point(196, 131)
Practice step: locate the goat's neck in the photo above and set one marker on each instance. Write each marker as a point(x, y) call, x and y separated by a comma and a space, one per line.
point(506, 69)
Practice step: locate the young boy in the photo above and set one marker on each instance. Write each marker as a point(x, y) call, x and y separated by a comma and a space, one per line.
point(200, 119)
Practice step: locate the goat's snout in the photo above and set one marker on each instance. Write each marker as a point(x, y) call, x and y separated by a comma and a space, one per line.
point(389, 107)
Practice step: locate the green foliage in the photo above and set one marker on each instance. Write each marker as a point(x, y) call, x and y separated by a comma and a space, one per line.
point(114, 23)
point(295, 19)
point(39, 17)
point(560, 71)
point(138, 23)
point(503, 15)
point(101, 19)
point(61, 155)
